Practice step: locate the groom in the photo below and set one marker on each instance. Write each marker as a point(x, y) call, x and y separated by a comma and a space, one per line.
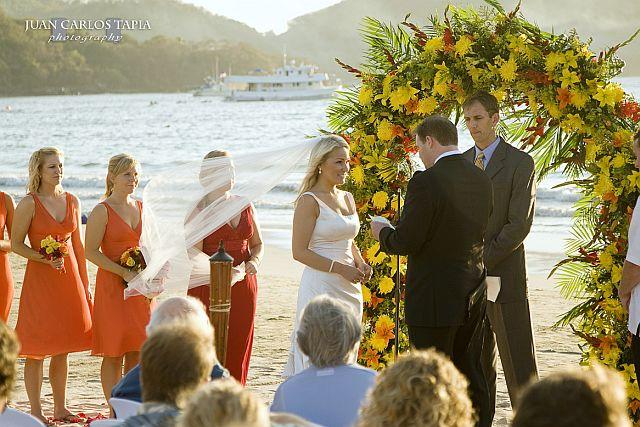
point(442, 229)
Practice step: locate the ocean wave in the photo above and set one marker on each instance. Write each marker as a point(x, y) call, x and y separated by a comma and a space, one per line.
point(554, 211)
point(68, 182)
point(561, 195)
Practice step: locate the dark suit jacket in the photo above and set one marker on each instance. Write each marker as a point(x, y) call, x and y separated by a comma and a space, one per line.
point(441, 229)
point(512, 174)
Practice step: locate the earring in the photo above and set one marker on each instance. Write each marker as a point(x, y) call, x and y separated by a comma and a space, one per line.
point(319, 171)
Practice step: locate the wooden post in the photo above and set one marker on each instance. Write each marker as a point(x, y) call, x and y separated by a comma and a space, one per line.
point(221, 264)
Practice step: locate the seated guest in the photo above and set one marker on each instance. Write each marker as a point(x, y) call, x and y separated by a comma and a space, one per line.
point(585, 397)
point(330, 391)
point(175, 360)
point(224, 404)
point(423, 388)
point(187, 309)
point(9, 347)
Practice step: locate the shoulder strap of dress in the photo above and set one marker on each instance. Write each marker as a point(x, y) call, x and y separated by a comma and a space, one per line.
point(2, 201)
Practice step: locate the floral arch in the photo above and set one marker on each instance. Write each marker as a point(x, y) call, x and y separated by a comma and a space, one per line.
point(558, 102)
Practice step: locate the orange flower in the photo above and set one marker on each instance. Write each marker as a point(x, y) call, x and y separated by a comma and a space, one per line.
point(564, 97)
point(634, 405)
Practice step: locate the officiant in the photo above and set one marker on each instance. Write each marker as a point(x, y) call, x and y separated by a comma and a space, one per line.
point(441, 229)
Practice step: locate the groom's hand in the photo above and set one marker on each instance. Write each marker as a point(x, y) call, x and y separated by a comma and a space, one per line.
point(376, 227)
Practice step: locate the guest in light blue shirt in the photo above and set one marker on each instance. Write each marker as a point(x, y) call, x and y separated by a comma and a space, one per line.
point(329, 392)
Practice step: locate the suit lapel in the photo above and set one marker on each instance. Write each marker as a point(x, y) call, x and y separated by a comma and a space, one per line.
point(497, 159)
point(470, 154)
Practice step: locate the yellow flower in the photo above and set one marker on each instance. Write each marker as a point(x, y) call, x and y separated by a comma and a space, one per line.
point(440, 84)
point(570, 59)
point(610, 95)
point(357, 174)
point(508, 70)
point(573, 123)
point(385, 285)
point(463, 46)
point(55, 245)
point(366, 95)
point(619, 160)
point(378, 343)
point(427, 105)
point(49, 250)
point(616, 273)
point(578, 98)
point(499, 93)
point(553, 60)
point(385, 130)
point(380, 200)
point(634, 180)
point(474, 72)
point(372, 257)
point(591, 150)
point(568, 78)
point(606, 260)
point(603, 186)
point(434, 45)
point(402, 95)
point(533, 104)
point(384, 323)
point(130, 262)
point(553, 110)
point(366, 294)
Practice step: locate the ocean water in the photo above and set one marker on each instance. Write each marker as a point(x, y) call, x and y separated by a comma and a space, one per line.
point(162, 129)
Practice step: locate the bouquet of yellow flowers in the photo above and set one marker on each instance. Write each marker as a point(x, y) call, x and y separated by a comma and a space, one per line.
point(132, 259)
point(54, 248)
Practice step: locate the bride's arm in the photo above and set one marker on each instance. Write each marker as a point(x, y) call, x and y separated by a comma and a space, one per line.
point(304, 221)
point(256, 247)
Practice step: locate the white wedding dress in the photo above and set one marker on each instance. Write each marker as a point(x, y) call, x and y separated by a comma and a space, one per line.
point(332, 238)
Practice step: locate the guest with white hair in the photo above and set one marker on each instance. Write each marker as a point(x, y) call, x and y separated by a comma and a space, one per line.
point(174, 309)
point(330, 391)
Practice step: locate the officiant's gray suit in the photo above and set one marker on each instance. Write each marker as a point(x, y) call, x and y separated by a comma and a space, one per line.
point(513, 178)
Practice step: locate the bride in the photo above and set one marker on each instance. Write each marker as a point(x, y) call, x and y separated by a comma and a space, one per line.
point(325, 222)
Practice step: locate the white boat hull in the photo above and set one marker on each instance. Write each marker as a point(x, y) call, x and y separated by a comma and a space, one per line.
point(280, 95)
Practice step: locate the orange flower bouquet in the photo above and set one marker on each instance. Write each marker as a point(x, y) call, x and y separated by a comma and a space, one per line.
point(132, 259)
point(54, 248)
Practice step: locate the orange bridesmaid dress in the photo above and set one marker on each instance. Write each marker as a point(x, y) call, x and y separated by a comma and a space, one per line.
point(6, 281)
point(54, 315)
point(118, 324)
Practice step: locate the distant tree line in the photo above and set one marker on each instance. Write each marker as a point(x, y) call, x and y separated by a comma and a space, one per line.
point(31, 66)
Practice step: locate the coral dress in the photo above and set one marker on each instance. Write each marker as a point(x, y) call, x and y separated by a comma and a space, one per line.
point(6, 281)
point(118, 324)
point(244, 294)
point(54, 316)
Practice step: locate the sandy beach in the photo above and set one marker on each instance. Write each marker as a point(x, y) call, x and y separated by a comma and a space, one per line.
point(278, 282)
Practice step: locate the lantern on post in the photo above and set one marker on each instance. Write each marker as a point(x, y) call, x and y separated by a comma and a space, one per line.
point(221, 264)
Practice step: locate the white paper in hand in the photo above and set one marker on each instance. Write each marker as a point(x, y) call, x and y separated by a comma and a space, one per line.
point(493, 288)
point(382, 220)
point(237, 273)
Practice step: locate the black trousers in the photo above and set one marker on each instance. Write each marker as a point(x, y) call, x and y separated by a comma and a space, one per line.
point(635, 350)
point(463, 345)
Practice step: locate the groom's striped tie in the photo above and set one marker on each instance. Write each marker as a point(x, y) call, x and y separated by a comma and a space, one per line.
point(479, 162)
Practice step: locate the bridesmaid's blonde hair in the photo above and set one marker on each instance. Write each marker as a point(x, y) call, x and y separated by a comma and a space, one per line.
point(35, 168)
point(118, 164)
point(319, 154)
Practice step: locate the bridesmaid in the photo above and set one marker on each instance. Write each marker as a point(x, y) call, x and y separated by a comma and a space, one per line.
point(54, 315)
point(6, 281)
point(113, 227)
point(243, 241)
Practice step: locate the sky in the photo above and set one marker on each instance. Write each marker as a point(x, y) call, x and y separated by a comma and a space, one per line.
point(263, 15)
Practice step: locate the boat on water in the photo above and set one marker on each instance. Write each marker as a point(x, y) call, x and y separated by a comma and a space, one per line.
point(212, 87)
point(287, 83)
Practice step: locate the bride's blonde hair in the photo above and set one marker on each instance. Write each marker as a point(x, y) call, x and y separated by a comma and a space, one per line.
point(118, 164)
point(319, 154)
point(35, 168)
